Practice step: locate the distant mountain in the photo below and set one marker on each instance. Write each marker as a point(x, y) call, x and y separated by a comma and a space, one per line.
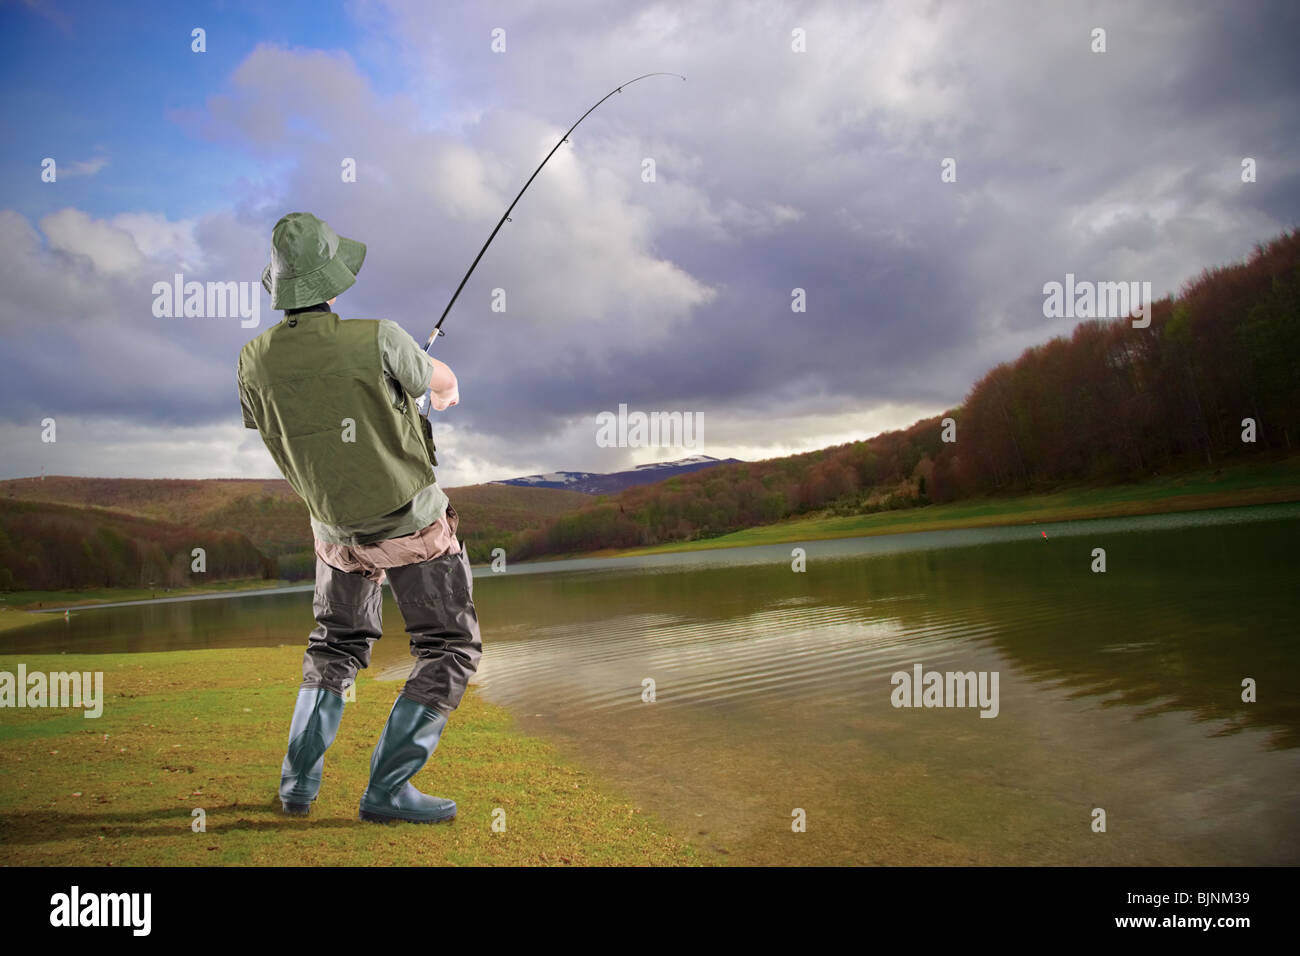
point(592, 483)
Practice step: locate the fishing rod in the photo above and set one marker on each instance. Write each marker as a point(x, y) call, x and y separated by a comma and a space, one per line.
point(424, 402)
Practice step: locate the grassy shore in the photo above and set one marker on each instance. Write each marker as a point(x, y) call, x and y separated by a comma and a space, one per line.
point(10, 618)
point(186, 730)
point(1252, 484)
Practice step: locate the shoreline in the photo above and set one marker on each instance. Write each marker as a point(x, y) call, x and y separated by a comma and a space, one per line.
point(63, 599)
point(923, 520)
point(1272, 482)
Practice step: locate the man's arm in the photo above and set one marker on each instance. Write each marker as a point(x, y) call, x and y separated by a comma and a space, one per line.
point(443, 384)
point(415, 370)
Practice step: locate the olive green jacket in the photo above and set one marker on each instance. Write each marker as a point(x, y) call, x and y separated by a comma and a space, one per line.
point(349, 442)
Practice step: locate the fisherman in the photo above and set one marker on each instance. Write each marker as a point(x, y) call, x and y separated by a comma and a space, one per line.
point(334, 402)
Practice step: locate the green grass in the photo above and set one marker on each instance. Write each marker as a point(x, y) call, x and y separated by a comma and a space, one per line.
point(10, 618)
point(1247, 484)
point(206, 729)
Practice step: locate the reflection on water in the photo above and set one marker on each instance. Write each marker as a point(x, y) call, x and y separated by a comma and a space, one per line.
point(1119, 691)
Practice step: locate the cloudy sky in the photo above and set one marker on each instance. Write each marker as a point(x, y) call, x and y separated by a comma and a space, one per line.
point(775, 168)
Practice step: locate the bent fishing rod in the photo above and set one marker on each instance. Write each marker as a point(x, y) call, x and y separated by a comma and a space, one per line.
point(424, 402)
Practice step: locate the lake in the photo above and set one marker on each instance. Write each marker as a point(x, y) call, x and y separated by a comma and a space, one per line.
point(773, 697)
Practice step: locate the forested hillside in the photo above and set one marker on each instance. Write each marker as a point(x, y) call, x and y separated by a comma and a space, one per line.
point(1108, 403)
point(46, 546)
point(83, 516)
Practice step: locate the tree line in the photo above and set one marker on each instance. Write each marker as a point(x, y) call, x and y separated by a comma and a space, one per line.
point(47, 546)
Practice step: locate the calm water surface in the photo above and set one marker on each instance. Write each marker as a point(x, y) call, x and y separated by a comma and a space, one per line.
point(1119, 691)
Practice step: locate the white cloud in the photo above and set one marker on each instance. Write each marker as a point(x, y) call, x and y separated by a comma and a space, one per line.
point(110, 249)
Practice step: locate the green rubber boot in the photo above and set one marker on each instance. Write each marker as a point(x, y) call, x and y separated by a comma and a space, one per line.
point(316, 716)
point(408, 740)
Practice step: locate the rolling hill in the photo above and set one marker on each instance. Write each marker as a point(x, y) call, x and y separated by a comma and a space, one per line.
point(264, 512)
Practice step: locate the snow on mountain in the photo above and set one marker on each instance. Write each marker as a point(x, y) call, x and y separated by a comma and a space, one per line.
point(593, 483)
point(693, 460)
point(557, 479)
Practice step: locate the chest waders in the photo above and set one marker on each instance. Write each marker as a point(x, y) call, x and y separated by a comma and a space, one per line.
point(436, 600)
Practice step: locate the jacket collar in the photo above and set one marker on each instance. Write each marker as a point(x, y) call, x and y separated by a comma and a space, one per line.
point(321, 307)
point(293, 316)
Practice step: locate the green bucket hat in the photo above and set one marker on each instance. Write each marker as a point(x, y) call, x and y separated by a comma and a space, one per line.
point(310, 262)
